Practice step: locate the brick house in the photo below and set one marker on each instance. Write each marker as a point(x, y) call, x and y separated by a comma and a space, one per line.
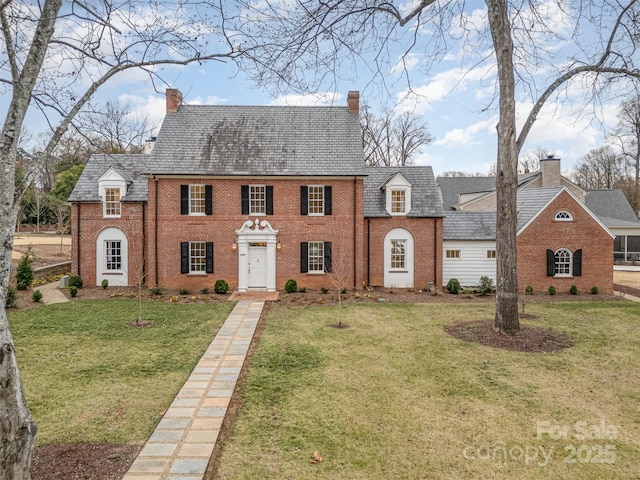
point(255, 196)
point(560, 240)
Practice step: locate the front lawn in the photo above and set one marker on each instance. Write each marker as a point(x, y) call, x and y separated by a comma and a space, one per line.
point(396, 397)
point(90, 378)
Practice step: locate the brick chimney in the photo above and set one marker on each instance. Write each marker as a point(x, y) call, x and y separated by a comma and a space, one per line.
point(174, 99)
point(353, 102)
point(550, 169)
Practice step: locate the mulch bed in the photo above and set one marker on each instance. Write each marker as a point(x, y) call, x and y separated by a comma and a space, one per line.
point(529, 339)
point(84, 461)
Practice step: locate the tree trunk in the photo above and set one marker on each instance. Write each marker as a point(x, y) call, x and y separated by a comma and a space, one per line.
point(506, 319)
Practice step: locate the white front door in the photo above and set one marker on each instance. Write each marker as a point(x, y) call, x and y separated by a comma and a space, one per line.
point(257, 265)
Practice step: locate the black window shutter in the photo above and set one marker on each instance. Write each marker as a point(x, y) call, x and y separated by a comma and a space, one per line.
point(244, 193)
point(184, 199)
point(184, 257)
point(577, 263)
point(327, 257)
point(209, 266)
point(304, 257)
point(208, 199)
point(304, 200)
point(269, 195)
point(328, 203)
point(551, 263)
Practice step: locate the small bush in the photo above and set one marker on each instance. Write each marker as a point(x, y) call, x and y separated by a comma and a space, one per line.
point(594, 290)
point(75, 281)
point(184, 291)
point(37, 296)
point(156, 291)
point(12, 297)
point(552, 290)
point(343, 290)
point(73, 290)
point(302, 289)
point(204, 291)
point(573, 290)
point(324, 290)
point(486, 285)
point(529, 290)
point(105, 284)
point(291, 286)
point(221, 286)
point(453, 286)
point(24, 272)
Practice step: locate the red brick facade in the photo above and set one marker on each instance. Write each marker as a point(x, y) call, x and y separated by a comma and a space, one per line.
point(582, 233)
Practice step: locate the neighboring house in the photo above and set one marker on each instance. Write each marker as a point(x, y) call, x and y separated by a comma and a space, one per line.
point(560, 241)
point(255, 196)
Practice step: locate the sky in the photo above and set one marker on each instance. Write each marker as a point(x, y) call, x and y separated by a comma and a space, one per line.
point(453, 95)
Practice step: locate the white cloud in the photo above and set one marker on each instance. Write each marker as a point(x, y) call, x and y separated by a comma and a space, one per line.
point(405, 62)
point(467, 137)
point(153, 107)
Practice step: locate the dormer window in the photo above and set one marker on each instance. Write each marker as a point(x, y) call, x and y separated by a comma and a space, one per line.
point(112, 187)
point(112, 202)
point(398, 195)
point(563, 216)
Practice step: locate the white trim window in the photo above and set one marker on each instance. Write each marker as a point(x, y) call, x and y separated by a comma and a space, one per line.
point(563, 216)
point(316, 257)
point(113, 255)
point(398, 254)
point(112, 205)
point(257, 199)
point(563, 263)
point(197, 203)
point(315, 200)
point(491, 254)
point(197, 257)
point(452, 254)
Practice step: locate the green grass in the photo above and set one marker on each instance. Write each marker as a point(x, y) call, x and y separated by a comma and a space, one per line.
point(395, 397)
point(88, 377)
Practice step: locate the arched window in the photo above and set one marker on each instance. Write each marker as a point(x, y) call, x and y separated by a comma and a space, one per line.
point(563, 216)
point(563, 261)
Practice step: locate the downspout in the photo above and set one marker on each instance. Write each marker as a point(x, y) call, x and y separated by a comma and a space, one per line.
point(368, 252)
point(79, 242)
point(355, 224)
point(155, 226)
point(435, 253)
point(144, 243)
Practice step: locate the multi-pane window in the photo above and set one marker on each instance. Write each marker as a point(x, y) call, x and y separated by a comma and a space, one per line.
point(197, 199)
point(491, 254)
point(564, 216)
point(111, 202)
point(197, 257)
point(316, 256)
point(257, 200)
point(563, 262)
point(316, 199)
point(113, 255)
point(398, 201)
point(398, 252)
point(452, 254)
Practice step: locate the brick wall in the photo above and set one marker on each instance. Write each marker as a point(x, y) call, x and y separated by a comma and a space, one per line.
point(220, 227)
point(581, 233)
point(427, 236)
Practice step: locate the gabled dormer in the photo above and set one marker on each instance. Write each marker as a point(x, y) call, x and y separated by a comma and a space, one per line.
point(112, 186)
point(397, 195)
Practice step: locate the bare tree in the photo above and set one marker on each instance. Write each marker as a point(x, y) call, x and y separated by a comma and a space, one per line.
point(628, 135)
point(300, 45)
point(600, 168)
point(530, 161)
point(113, 128)
point(54, 58)
point(392, 139)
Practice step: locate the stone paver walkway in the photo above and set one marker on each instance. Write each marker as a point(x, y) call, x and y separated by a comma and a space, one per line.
point(182, 443)
point(51, 294)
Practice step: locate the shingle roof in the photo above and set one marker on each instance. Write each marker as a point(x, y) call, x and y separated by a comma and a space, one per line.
point(612, 207)
point(452, 187)
point(129, 166)
point(469, 226)
point(425, 198)
point(259, 140)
